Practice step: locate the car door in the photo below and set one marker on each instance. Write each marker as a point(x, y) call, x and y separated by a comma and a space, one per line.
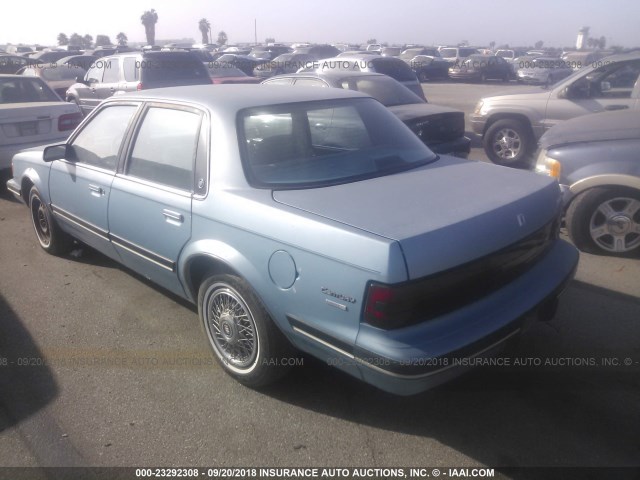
point(88, 98)
point(80, 185)
point(111, 80)
point(610, 87)
point(150, 205)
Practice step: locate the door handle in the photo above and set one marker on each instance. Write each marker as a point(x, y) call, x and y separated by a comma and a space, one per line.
point(172, 216)
point(95, 189)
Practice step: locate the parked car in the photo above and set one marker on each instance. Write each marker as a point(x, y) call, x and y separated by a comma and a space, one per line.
point(242, 62)
point(128, 72)
point(319, 51)
point(58, 77)
point(578, 60)
point(391, 66)
point(302, 217)
point(510, 55)
point(83, 61)
point(410, 53)
point(221, 73)
point(440, 128)
point(391, 51)
point(456, 55)
point(429, 68)
point(49, 57)
point(596, 160)
point(285, 63)
point(269, 52)
point(31, 115)
point(511, 124)
point(10, 64)
point(543, 71)
point(482, 68)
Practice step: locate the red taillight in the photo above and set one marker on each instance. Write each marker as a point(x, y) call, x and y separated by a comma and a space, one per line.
point(139, 86)
point(69, 121)
point(376, 309)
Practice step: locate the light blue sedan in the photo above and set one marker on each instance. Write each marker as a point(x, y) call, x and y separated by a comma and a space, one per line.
point(306, 219)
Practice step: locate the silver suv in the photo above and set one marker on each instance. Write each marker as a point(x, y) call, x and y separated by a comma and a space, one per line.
point(512, 124)
point(129, 72)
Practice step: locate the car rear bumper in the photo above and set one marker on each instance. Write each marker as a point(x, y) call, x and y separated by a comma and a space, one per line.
point(413, 359)
point(14, 188)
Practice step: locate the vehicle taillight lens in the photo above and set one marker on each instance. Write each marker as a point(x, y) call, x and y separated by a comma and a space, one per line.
point(139, 86)
point(69, 121)
point(389, 306)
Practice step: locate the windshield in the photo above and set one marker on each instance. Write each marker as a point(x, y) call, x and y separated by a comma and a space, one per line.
point(384, 89)
point(448, 52)
point(323, 143)
point(19, 90)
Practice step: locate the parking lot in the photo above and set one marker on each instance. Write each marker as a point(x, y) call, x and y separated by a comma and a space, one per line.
point(100, 368)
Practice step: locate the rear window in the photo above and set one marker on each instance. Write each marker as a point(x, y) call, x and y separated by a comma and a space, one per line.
point(171, 66)
point(384, 89)
point(62, 73)
point(19, 90)
point(314, 144)
point(395, 69)
point(448, 52)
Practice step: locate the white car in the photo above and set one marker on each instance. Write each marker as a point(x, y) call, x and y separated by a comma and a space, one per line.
point(31, 115)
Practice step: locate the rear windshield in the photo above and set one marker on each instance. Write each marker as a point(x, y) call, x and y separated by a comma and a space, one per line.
point(395, 69)
point(170, 66)
point(19, 90)
point(384, 89)
point(62, 72)
point(448, 52)
point(314, 144)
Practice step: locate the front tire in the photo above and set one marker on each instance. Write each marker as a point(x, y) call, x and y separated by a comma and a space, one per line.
point(51, 238)
point(605, 220)
point(508, 142)
point(244, 339)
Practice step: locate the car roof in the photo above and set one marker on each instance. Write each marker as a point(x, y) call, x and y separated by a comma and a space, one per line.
point(232, 98)
point(330, 74)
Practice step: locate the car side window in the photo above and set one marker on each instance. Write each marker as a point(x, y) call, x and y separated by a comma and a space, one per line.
point(111, 71)
point(610, 81)
point(164, 150)
point(98, 143)
point(96, 73)
point(278, 81)
point(130, 70)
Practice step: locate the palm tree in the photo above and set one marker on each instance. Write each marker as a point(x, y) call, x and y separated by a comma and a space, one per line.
point(149, 20)
point(205, 30)
point(222, 38)
point(122, 39)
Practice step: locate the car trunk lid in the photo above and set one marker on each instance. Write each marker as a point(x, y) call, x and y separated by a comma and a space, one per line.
point(32, 122)
point(444, 214)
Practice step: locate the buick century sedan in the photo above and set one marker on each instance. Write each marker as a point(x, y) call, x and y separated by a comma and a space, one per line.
point(306, 219)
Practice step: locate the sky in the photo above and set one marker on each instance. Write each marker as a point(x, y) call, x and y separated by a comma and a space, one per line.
point(428, 22)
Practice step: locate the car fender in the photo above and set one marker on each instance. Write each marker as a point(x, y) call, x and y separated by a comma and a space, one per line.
point(219, 253)
point(612, 179)
point(531, 116)
point(38, 177)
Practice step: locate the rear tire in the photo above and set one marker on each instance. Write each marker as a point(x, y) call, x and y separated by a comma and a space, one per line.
point(51, 238)
point(244, 339)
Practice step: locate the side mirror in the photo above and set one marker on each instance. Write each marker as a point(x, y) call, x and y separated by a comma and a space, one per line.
point(56, 152)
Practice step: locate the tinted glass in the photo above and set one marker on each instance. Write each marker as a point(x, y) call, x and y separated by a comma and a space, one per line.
point(62, 72)
point(99, 141)
point(165, 147)
point(27, 89)
point(130, 70)
point(323, 143)
point(384, 89)
point(172, 66)
point(395, 69)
